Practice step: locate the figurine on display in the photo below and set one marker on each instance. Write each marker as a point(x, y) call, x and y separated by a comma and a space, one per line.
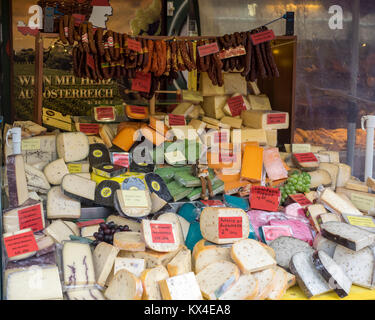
point(201, 171)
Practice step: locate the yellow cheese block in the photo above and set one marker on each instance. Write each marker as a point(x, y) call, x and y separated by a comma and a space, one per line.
point(259, 102)
point(252, 163)
point(207, 88)
point(213, 106)
point(125, 138)
point(234, 83)
point(260, 119)
point(249, 135)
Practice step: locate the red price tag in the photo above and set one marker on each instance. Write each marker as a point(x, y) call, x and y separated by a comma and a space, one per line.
point(176, 120)
point(305, 157)
point(232, 52)
point(225, 157)
point(230, 227)
point(276, 118)
point(221, 137)
point(134, 45)
point(78, 18)
point(121, 159)
point(142, 82)
point(31, 217)
point(212, 203)
point(236, 105)
point(105, 113)
point(208, 49)
point(20, 244)
point(263, 198)
point(162, 233)
point(300, 199)
point(82, 224)
point(274, 232)
point(138, 110)
point(263, 36)
point(89, 128)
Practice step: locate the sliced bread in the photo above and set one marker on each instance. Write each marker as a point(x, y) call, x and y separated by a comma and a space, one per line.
point(246, 288)
point(358, 265)
point(286, 247)
point(308, 277)
point(347, 235)
point(124, 286)
point(332, 273)
point(150, 281)
point(217, 278)
point(250, 256)
point(129, 241)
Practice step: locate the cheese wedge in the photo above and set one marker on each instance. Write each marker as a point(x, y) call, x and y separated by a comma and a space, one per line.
point(135, 266)
point(337, 203)
point(150, 281)
point(205, 253)
point(17, 183)
point(72, 146)
point(180, 287)
point(124, 286)
point(266, 282)
point(125, 138)
point(104, 257)
point(121, 221)
point(55, 171)
point(130, 241)
point(246, 288)
point(85, 294)
point(59, 206)
point(59, 231)
point(180, 264)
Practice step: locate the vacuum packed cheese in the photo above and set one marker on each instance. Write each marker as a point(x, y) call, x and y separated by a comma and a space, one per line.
point(160, 236)
point(85, 294)
point(72, 146)
point(34, 283)
point(78, 265)
point(273, 164)
point(17, 183)
point(224, 225)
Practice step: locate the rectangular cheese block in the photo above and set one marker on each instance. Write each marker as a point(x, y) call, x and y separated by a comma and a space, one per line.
point(235, 104)
point(36, 178)
point(232, 122)
point(363, 201)
point(34, 283)
point(252, 163)
point(234, 82)
point(333, 171)
point(334, 156)
point(183, 132)
point(104, 258)
point(121, 221)
point(133, 265)
point(59, 231)
point(271, 136)
point(249, 135)
point(151, 257)
point(36, 149)
point(130, 241)
point(59, 206)
point(78, 265)
point(356, 185)
point(160, 236)
point(259, 102)
point(88, 232)
point(213, 106)
point(337, 204)
point(259, 119)
point(17, 183)
point(78, 187)
point(14, 219)
point(181, 287)
point(72, 146)
point(273, 164)
point(207, 88)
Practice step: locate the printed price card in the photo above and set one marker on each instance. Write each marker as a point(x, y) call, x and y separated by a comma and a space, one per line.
point(162, 233)
point(30, 144)
point(82, 224)
point(236, 105)
point(121, 159)
point(138, 110)
point(74, 167)
point(263, 198)
point(134, 45)
point(105, 113)
point(305, 157)
point(276, 118)
point(89, 128)
point(263, 36)
point(20, 244)
point(31, 217)
point(142, 82)
point(176, 120)
point(213, 203)
point(301, 199)
point(208, 49)
point(361, 221)
point(230, 227)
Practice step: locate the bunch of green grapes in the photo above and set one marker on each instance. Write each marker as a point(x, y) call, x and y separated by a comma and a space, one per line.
point(296, 183)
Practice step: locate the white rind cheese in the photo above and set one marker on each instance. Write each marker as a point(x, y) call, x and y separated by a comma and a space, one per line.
point(55, 171)
point(72, 146)
point(181, 287)
point(104, 257)
point(59, 231)
point(36, 178)
point(59, 206)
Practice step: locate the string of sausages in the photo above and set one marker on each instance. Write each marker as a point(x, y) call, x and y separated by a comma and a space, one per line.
point(104, 54)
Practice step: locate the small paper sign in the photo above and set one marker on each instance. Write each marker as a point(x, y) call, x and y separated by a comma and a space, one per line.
point(305, 157)
point(273, 232)
point(162, 233)
point(89, 128)
point(134, 45)
point(135, 198)
point(221, 137)
point(300, 199)
point(176, 120)
point(30, 144)
point(276, 118)
point(137, 109)
point(230, 227)
point(208, 49)
point(105, 113)
point(121, 159)
point(142, 82)
point(361, 221)
point(227, 157)
point(232, 52)
point(212, 203)
point(31, 217)
point(82, 224)
point(74, 167)
point(236, 105)
point(263, 198)
point(263, 36)
point(20, 244)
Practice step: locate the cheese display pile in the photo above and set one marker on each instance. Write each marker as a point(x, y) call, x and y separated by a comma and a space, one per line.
point(86, 221)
